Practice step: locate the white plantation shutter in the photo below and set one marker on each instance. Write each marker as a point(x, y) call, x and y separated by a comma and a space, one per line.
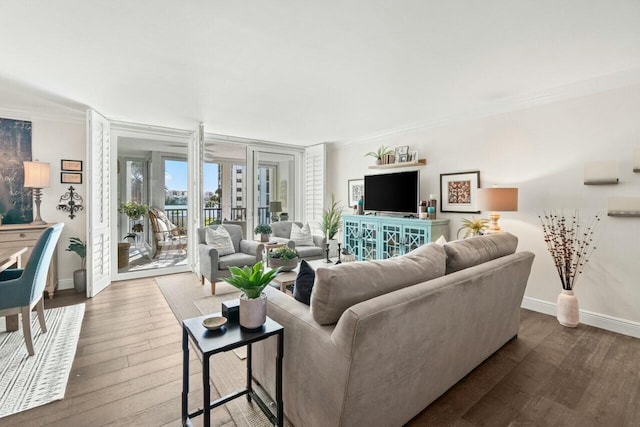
point(99, 179)
point(314, 184)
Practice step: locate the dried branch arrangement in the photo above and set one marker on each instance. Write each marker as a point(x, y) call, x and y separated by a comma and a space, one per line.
point(570, 243)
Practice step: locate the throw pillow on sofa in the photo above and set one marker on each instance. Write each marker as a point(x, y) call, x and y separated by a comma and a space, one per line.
point(339, 287)
point(301, 236)
point(303, 285)
point(473, 251)
point(220, 239)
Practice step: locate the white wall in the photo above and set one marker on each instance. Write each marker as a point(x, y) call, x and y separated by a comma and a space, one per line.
point(542, 151)
point(53, 140)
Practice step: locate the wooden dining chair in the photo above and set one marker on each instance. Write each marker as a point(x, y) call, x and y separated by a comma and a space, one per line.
point(22, 289)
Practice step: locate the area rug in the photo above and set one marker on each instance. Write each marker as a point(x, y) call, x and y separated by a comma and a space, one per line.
point(187, 298)
point(30, 381)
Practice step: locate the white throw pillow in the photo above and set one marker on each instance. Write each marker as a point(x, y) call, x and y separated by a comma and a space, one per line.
point(441, 240)
point(220, 240)
point(301, 236)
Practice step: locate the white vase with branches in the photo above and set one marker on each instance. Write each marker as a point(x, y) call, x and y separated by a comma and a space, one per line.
point(570, 243)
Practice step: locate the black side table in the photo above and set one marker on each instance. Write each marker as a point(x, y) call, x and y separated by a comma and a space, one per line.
point(230, 336)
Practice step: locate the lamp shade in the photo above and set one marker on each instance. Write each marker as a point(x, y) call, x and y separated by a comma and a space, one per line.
point(36, 174)
point(498, 199)
point(275, 206)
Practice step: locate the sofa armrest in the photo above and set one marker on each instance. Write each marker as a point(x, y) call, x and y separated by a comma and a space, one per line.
point(251, 247)
point(319, 241)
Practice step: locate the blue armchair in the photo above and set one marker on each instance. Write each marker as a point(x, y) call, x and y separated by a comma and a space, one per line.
point(22, 289)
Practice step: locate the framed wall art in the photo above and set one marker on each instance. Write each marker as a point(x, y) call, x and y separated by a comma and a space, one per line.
point(70, 178)
point(16, 202)
point(71, 165)
point(402, 153)
point(356, 190)
point(459, 192)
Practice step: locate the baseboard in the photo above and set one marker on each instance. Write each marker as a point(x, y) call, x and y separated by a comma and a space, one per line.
point(65, 284)
point(610, 323)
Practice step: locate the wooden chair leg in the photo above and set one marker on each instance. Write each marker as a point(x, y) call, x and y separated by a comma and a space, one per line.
point(202, 280)
point(40, 310)
point(213, 288)
point(26, 329)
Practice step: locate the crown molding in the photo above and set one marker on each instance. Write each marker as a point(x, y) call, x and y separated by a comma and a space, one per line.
point(69, 116)
point(583, 88)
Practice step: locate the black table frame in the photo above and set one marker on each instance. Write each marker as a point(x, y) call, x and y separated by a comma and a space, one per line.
point(247, 338)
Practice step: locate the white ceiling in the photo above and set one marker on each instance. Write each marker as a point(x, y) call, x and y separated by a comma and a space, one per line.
point(302, 71)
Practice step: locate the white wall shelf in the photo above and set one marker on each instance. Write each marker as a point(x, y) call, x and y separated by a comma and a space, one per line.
point(419, 162)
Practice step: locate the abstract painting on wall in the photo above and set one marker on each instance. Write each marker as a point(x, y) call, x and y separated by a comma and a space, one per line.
point(16, 204)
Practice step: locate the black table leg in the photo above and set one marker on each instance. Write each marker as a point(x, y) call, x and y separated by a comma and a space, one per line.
point(185, 377)
point(207, 390)
point(279, 378)
point(249, 382)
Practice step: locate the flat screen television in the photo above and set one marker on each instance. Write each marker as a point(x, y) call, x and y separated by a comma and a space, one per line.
point(392, 192)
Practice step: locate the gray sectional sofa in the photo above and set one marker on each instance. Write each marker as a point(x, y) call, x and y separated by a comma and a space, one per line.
point(383, 339)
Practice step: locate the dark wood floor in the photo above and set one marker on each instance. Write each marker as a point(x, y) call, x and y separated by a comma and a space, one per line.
point(127, 372)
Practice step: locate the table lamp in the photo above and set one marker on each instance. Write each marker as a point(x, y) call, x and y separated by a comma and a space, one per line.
point(37, 177)
point(275, 207)
point(497, 200)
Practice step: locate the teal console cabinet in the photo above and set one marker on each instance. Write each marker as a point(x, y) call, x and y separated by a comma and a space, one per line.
point(380, 237)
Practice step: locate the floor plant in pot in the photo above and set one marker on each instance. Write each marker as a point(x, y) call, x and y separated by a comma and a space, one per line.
point(253, 302)
point(79, 276)
point(284, 258)
point(264, 230)
point(570, 243)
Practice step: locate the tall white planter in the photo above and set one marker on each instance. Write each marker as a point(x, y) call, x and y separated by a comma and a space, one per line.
point(253, 312)
point(567, 309)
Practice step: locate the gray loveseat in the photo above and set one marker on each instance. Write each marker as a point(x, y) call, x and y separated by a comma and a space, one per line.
point(282, 233)
point(379, 344)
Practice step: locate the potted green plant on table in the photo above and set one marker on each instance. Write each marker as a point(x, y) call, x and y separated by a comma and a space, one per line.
point(381, 154)
point(253, 302)
point(79, 276)
point(570, 243)
point(264, 230)
point(330, 224)
point(472, 227)
point(284, 258)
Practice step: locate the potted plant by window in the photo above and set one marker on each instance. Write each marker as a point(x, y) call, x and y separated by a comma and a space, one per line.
point(472, 227)
point(253, 302)
point(264, 230)
point(383, 153)
point(284, 258)
point(330, 224)
point(79, 276)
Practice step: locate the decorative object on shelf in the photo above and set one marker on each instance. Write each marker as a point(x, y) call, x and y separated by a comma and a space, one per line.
point(570, 243)
point(79, 247)
point(284, 257)
point(497, 200)
point(71, 165)
point(458, 192)
point(472, 227)
point(601, 172)
point(413, 156)
point(274, 208)
point(380, 154)
point(284, 216)
point(422, 209)
point(37, 176)
point(402, 153)
point(253, 302)
point(624, 206)
point(214, 323)
point(636, 160)
point(264, 230)
point(70, 202)
point(70, 178)
point(432, 207)
point(360, 209)
point(355, 190)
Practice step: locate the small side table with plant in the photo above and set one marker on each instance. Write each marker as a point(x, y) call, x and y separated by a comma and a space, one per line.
point(135, 212)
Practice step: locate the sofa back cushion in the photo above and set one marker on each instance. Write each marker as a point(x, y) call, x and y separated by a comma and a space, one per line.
point(339, 287)
point(467, 253)
point(283, 228)
point(235, 231)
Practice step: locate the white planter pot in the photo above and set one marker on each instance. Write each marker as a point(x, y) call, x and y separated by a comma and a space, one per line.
point(567, 309)
point(333, 247)
point(80, 280)
point(253, 312)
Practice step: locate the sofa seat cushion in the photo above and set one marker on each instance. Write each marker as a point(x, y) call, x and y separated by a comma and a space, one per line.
point(341, 286)
point(473, 251)
point(308, 251)
point(236, 260)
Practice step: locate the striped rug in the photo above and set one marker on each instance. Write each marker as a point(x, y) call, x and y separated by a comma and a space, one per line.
point(27, 382)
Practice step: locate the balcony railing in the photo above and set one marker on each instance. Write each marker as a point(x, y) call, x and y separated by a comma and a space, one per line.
point(178, 216)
